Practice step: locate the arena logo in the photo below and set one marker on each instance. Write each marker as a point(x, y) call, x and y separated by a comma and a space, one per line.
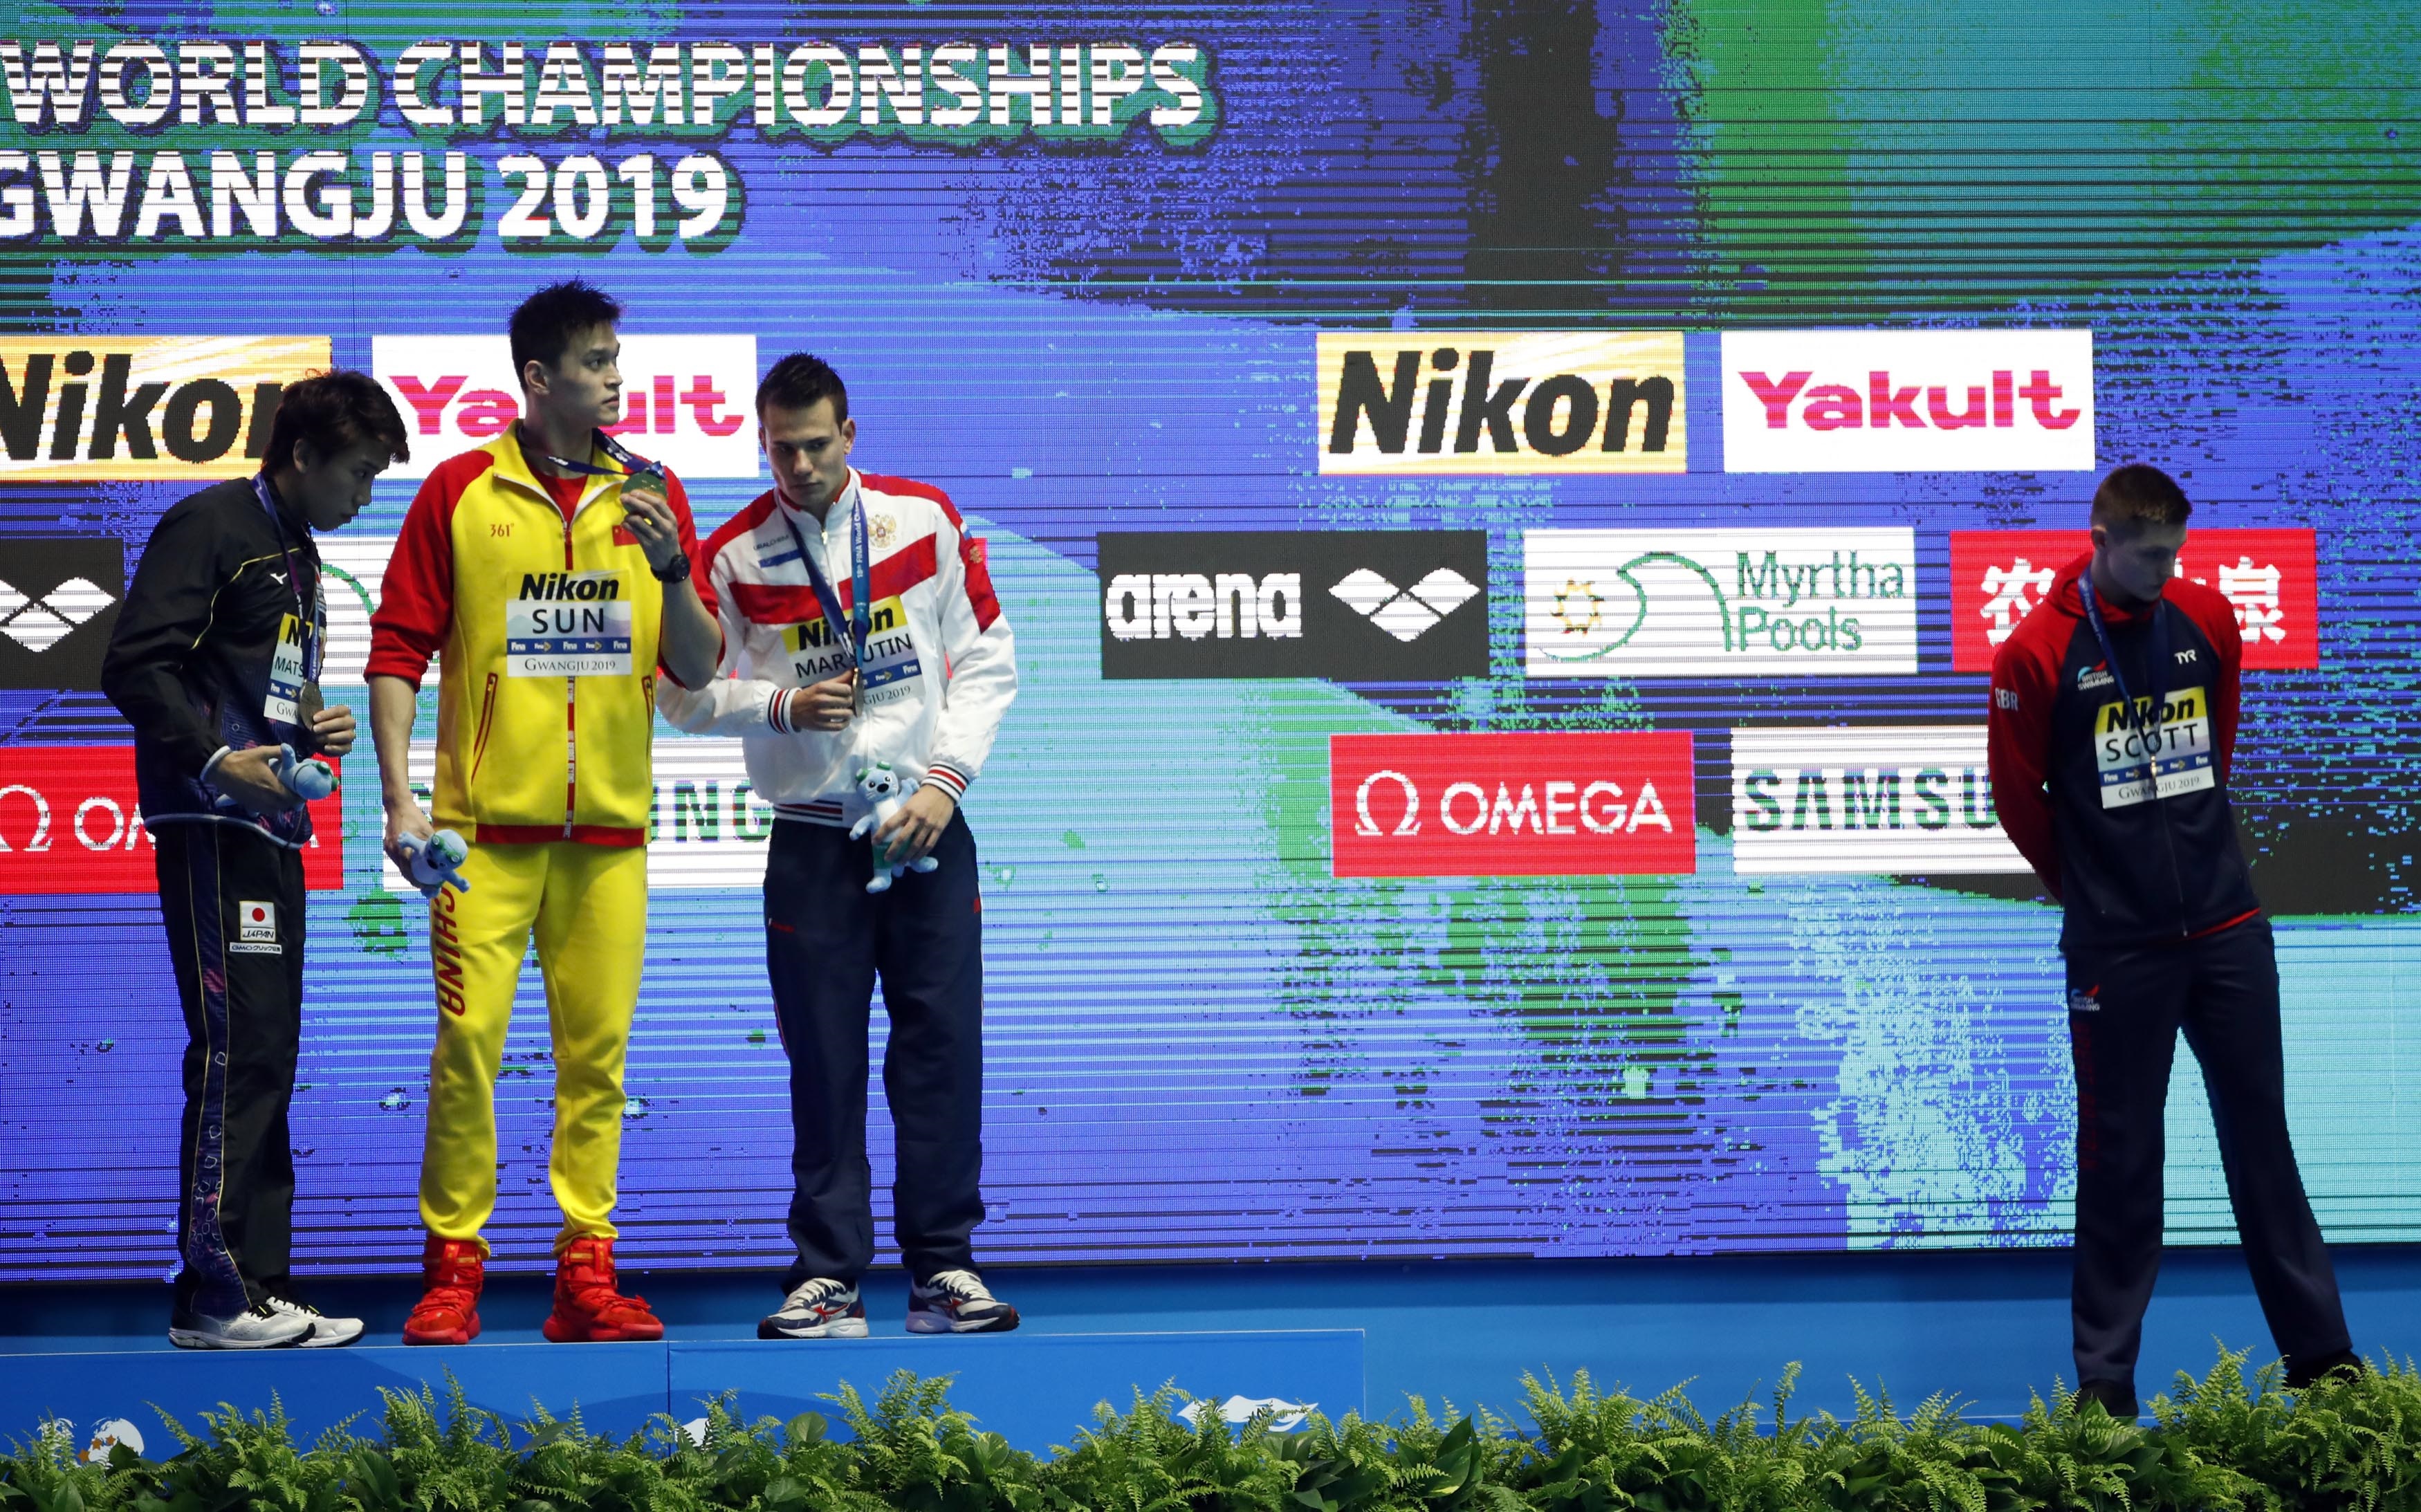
point(1355, 606)
point(1596, 803)
point(111, 408)
point(1879, 798)
point(1714, 603)
point(2270, 579)
point(58, 603)
point(688, 401)
point(1905, 402)
point(71, 823)
point(1503, 402)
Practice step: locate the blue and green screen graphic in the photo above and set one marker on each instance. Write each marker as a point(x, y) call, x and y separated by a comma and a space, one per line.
point(1075, 262)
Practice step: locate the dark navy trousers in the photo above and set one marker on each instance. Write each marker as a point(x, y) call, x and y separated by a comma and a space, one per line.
point(232, 900)
point(2125, 1009)
point(827, 940)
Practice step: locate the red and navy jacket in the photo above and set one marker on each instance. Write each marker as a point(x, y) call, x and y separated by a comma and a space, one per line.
point(2138, 853)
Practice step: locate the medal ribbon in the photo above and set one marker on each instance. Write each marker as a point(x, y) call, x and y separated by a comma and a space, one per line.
point(633, 465)
point(317, 616)
point(860, 618)
point(2148, 725)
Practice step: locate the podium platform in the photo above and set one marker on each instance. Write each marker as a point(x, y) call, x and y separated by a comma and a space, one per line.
point(1036, 1389)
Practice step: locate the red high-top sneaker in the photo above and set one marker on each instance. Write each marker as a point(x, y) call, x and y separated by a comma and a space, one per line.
point(589, 1309)
point(451, 1272)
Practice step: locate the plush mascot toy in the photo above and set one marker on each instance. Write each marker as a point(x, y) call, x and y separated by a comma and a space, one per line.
point(883, 789)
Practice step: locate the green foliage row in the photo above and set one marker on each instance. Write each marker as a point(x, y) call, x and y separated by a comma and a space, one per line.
point(2221, 1442)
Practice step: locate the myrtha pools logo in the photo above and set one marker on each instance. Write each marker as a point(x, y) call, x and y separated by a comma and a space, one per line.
point(1712, 604)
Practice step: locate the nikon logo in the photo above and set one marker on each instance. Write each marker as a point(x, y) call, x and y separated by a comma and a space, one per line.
point(184, 408)
point(568, 586)
point(1500, 403)
point(882, 620)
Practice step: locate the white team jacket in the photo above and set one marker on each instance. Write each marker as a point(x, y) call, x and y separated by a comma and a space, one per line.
point(940, 669)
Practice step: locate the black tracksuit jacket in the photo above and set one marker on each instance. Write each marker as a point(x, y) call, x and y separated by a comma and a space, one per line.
point(189, 665)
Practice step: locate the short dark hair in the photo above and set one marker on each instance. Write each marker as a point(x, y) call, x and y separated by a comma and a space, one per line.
point(334, 410)
point(2140, 495)
point(798, 381)
point(543, 325)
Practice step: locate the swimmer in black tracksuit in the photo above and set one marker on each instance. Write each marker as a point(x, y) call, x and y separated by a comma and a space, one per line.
point(2113, 724)
point(215, 662)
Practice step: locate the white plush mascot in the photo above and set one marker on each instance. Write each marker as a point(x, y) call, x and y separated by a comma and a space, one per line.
point(885, 790)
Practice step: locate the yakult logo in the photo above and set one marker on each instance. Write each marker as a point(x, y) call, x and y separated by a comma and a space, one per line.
point(2267, 577)
point(688, 401)
point(1908, 402)
point(70, 824)
point(1502, 401)
point(1512, 806)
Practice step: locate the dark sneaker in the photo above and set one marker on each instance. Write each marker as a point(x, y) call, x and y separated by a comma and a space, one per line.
point(265, 1327)
point(956, 1301)
point(820, 1309)
point(326, 1333)
point(2115, 1398)
point(2343, 1365)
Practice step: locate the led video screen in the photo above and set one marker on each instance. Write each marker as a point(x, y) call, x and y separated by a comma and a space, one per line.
point(1506, 514)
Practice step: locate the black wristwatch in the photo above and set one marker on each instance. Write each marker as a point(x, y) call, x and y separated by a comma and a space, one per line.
point(677, 570)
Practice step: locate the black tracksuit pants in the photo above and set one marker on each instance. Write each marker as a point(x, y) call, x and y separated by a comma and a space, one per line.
point(232, 900)
point(2125, 1008)
point(826, 941)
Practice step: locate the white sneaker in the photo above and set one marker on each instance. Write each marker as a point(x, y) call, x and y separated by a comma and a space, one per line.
point(326, 1333)
point(956, 1301)
point(819, 1309)
point(256, 1328)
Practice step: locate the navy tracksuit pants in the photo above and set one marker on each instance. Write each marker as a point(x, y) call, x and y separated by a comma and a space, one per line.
point(232, 900)
point(827, 940)
point(2125, 1009)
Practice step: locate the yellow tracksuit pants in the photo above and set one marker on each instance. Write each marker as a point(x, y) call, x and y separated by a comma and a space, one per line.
point(588, 907)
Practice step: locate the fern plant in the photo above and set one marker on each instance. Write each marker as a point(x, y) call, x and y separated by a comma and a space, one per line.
point(2225, 1442)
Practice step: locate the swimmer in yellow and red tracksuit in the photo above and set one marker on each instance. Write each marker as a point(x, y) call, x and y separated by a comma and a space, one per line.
point(548, 573)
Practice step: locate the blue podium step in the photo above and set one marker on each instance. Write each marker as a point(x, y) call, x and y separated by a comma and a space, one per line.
point(1034, 1389)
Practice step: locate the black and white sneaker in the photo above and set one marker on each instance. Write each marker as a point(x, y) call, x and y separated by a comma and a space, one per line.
point(326, 1333)
point(820, 1309)
point(956, 1301)
point(264, 1327)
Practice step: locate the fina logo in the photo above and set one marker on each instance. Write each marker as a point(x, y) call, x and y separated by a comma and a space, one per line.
point(38, 624)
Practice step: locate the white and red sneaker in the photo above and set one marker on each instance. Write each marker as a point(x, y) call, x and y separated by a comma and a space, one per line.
point(956, 1301)
point(819, 1309)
